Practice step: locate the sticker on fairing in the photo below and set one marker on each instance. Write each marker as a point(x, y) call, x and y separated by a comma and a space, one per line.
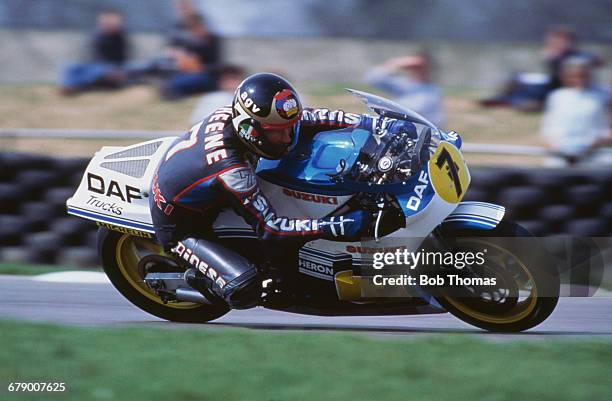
point(125, 230)
point(419, 197)
point(449, 173)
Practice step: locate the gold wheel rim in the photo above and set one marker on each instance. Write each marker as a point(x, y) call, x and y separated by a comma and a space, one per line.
point(128, 253)
point(524, 307)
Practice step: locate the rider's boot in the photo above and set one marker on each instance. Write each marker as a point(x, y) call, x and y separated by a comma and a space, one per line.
point(241, 293)
point(203, 284)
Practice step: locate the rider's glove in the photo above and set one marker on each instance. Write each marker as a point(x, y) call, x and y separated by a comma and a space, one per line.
point(347, 227)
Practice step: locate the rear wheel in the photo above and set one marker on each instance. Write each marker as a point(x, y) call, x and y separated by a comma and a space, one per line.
point(527, 281)
point(120, 255)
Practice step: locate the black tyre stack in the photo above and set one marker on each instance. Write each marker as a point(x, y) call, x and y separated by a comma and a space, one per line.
point(34, 226)
point(549, 201)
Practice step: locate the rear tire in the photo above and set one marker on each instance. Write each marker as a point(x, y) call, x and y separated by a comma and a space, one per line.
point(120, 254)
point(536, 264)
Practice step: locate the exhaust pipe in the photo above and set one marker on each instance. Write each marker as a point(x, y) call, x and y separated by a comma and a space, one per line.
point(191, 295)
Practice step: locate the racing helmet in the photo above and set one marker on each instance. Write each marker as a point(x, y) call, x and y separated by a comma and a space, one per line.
point(264, 103)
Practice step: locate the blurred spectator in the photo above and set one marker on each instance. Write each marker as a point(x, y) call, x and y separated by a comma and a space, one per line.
point(193, 32)
point(528, 91)
point(195, 51)
point(576, 119)
point(229, 77)
point(190, 75)
point(559, 45)
point(407, 79)
point(109, 51)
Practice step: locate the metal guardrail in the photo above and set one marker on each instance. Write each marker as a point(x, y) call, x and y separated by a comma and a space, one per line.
point(84, 134)
point(601, 157)
point(491, 148)
point(486, 148)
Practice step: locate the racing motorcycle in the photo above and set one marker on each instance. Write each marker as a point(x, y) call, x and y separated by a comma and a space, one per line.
point(414, 183)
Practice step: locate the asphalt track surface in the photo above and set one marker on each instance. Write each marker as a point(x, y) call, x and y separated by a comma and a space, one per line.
point(81, 304)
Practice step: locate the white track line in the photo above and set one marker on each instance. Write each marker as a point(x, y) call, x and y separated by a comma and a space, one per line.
point(74, 277)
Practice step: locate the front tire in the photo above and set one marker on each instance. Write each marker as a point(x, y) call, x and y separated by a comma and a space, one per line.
point(530, 276)
point(120, 254)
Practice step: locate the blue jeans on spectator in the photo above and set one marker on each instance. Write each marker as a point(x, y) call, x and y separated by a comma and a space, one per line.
point(86, 75)
point(183, 84)
point(528, 88)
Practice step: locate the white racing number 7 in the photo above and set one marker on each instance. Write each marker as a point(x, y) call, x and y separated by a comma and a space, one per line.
point(186, 143)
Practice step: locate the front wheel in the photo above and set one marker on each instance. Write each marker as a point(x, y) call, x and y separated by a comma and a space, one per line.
point(120, 254)
point(527, 280)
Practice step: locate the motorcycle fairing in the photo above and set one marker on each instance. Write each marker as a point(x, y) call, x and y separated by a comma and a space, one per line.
point(112, 172)
point(475, 215)
point(420, 195)
point(100, 217)
point(452, 137)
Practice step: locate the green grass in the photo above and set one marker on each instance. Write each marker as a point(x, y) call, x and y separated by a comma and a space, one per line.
point(158, 364)
point(28, 270)
point(32, 270)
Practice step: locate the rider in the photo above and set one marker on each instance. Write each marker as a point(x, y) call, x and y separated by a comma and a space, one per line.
point(211, 167)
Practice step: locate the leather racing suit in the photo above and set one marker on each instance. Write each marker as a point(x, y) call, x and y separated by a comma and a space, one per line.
point(208, 169)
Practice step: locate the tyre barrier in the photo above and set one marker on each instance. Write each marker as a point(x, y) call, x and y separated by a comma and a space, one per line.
point(34, 226)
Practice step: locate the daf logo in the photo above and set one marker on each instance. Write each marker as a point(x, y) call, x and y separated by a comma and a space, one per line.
point(96, 184)
point(415, 200)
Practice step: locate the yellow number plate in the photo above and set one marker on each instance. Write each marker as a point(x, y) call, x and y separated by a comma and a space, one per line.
point(449, 173)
